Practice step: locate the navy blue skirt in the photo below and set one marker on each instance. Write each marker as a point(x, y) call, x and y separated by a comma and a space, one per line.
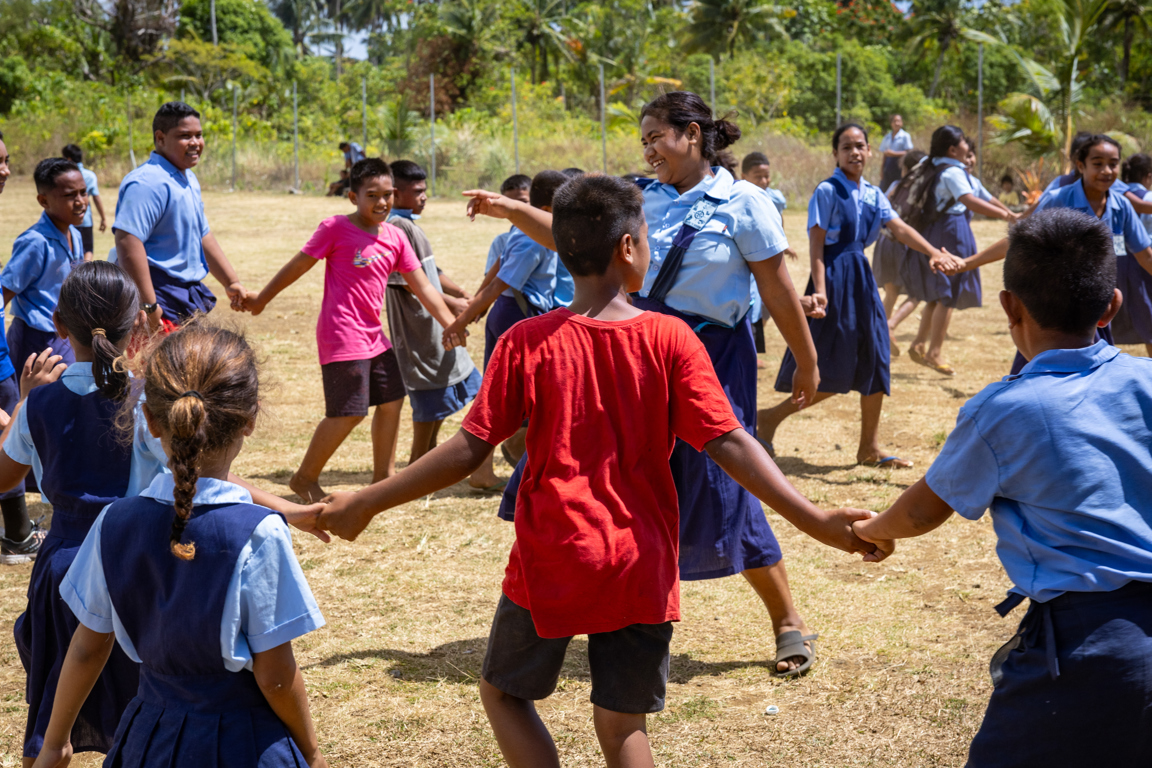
point(961, 291)
point(9, 397)
point(202, 721)
point(180, 300)
point(852, 349)
point(887, 257)
point(1133, 323)
point(504, 314)
point(24, 340)
point(43, 633)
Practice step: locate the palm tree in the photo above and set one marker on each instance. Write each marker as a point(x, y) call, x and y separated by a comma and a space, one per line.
point(472, 22)
point(1131, 16)
point(543, 26)
point(301, 18)
point(943, 23)
point(718, 26)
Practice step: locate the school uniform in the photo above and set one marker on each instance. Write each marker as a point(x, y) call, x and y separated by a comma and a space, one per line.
point(41, 258)
point(496, 249)
point(194, 625)
point(66, 433)
point(1142, 192)
point(951, 230)
point(1059, 455)
point(161, 206)
point(852, 347)
point(889, 252)
point(756, 313)
point(93, 186)
point(530, 272)
point(892, 168)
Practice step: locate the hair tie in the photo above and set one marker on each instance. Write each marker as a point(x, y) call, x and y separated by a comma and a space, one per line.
point(99, 332)
point(192, 393)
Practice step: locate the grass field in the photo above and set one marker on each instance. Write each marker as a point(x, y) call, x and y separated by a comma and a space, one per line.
point(901, 678)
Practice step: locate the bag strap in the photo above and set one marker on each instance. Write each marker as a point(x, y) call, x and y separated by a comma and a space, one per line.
point(699, 215)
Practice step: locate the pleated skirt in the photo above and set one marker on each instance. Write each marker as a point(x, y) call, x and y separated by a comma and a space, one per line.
point(1133, 323)
point(887, 257)
point(963, 291)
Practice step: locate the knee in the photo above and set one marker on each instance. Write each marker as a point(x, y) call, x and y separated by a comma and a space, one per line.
point(492, 697)
point(615, 728)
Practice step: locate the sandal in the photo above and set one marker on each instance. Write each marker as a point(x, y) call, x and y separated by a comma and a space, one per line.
point(790, 644)
point(893, 350)
point(918, 357)
point(888, 462)
point(767, 447)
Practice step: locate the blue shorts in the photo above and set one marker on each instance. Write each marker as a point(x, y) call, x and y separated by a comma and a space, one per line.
point(24, 341)
point(439, 404)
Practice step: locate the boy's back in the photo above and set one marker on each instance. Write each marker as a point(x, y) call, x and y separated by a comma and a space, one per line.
point(597, 523)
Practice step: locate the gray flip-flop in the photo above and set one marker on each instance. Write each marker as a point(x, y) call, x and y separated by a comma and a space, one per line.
point(790, 644)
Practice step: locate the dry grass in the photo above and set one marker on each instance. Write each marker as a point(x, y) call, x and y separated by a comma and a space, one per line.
point(901, 678)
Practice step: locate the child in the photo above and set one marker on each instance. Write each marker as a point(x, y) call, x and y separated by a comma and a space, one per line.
point(438, 383)
point(607, 388)
point(1059, 454)
point(889, 254)
point(894, 148)
point(42, 257)
point(847, 320)
point(339, 187)
point(357, 362)
point(514, 187)
point(75, 154)
point(1008, 194)
point(196, 583)
point(756, 169)
point(1137, 173)
point(978, 187)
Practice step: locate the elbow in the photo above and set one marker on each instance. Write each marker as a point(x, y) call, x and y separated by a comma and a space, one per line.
point(274, 680)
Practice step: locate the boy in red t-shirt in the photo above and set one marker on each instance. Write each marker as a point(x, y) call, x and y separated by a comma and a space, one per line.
point(607, 390)
point(357, 363)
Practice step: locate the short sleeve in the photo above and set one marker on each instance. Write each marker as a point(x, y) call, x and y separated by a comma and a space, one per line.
point(1135, 235)
point(1047, 200)
point(884, 207)
point(955, 181)
point(29, 253)
point(494, 251)
point(141, 206)
point(759, 230)
point(965, 474)
point(93, 184)
point(700, 411)
point(320, 245)
point(820, 207)
point(905, 142)
point(520, 259)
point(19, 445)
point(886, 142)
point(501, 406)
point(406, 258)
point(84, 588)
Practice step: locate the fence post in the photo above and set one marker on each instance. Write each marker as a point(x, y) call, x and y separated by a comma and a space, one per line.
point(296, 136)
point(364, 109)
point(235, 98)
point(131, 151)
point(603, 123)
point(712, 84)
point(837, 89)
point(515, 123)
point(432, 125)
point(980, 112)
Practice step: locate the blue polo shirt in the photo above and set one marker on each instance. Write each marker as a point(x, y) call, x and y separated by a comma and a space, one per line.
point(1128, 234)
point(41, 259)
point(777, 198)
point(93, 186)
point(714, 279)
point(1062, 455)
point(161, 206)
point(824, 210)
point(901, 141)
point(530, 268)
point(954, 183)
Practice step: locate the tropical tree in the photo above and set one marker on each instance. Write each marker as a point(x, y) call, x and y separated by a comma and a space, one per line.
point(136, 28)
point(942, 23)
point(1130, 17)
point(543, 24)
point(718, 26)
point(303, 18)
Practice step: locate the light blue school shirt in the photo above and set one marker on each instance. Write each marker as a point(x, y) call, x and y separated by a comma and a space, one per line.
point(777, 198)
point(979, 189)
point(1062, 455)
point(900, 142)
point(530, 268)
point(162, 207)
point(354, 153)
point(41, 259)
point(1128, 234)
point(1146, 218)
point(268, 602)
point(93, 186)
point(496, 250)
point(148, 458)
point(954, 183)
point(713, 281)
point(824, 208)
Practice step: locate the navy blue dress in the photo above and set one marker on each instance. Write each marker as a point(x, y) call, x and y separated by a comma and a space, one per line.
point(852, 349)
point(190, 711)
point(952, 231)
point(85, 468)
point(887, 257)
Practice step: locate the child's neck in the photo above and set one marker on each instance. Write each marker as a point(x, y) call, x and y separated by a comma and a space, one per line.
point(1098, 200)
point(63, 226)
point(1038, 340)
point(602, 297)
point(371, 227)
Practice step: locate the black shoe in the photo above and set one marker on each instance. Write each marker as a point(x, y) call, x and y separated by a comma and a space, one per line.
point(16, 552)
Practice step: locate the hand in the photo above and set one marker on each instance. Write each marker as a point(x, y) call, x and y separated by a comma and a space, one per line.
point(456, 306)
point(153, 318)
point(255, 304)
point(791, 254)
point(237, 294)
point(485, 203)
point(454, 336)
point(884, 547)
point(54, 757)
point(5, 419)
point(40, 369)
point(306, 518)
point(837, 531)
point(341, 518)
point(804, 385)
point(814, 305)
point(103, 225)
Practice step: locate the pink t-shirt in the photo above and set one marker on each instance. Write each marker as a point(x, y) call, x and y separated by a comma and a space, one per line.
point(355, 278)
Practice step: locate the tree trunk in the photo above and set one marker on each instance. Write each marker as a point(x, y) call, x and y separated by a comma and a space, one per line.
point(1129, 36)
point(339, 48)
point(543, 61)
point(939, 67)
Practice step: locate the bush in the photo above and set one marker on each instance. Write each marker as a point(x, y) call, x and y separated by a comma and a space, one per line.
point(14, 81)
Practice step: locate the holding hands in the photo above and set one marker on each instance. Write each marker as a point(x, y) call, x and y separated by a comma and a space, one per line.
point(815, 305)
point(945, 263)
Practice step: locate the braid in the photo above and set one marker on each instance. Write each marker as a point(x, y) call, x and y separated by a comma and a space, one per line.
point(187, 419)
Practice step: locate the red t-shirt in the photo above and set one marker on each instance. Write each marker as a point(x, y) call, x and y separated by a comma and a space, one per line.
point(597, 523)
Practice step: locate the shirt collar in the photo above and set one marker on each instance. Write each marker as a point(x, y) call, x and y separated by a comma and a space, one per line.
point(839, 174)
point(209, 490)
point(1079, 200)
point(405, 213)
point(48, 228)
point(163, 162)
point(1071, 360)
point(719, 186)
point(949, 161)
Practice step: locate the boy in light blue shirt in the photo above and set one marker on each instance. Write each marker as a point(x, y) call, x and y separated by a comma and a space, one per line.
point(87, 231)
point(1062, 455)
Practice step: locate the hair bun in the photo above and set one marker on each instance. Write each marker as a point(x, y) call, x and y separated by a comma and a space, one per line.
point(727, 133)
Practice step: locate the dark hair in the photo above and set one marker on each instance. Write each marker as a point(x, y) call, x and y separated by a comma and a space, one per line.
point(844, 128)
point(170, 114)
point(49, 170)
point(1077, 142)
point(589, 216)
point(544, 185)
point(681, 108)
point(1061, 265)
point(573, 172)
point(1094, 141)
point(944, 138)
point(368, 168)
point(98, 305)
point(343, 145)
point(515, 182)
point(913, 157)
point(407, 172)
point(72, 152)
point(753, 159)
point(1007, 178)
point(1136, 168)
point(201, 387)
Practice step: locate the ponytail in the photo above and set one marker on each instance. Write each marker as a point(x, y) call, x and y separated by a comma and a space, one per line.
point(186, 419)
point(98, 305)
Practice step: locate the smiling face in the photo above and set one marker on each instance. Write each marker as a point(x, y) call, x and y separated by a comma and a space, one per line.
point(373, 200)
point(67, 201)
point(897, 123)
point(852, 151)
point(673, 155)
point(760, 175)
point(1100, 168)
point(412, 196)
point(182, 146)
point(959, 151)
point(5, 170)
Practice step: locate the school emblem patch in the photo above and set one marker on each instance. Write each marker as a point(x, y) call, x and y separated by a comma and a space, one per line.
point(701, 212)
point(1119, 246)
point(868, 196)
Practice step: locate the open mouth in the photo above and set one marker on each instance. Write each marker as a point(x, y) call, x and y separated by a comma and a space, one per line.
point(656, 164)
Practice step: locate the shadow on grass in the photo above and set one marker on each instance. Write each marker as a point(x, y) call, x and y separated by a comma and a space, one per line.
point(460, 662)
point(358, 480)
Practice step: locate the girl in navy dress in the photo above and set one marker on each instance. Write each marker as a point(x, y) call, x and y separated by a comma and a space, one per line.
point(1133, 325)
point(847, 319)
point(946, 200)
point(197, 583)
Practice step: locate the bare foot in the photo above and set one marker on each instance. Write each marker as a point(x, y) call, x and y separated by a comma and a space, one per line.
point(309, 490)
point(790, 663)
point(873, 458)
point(487, 480)
point(760, 364)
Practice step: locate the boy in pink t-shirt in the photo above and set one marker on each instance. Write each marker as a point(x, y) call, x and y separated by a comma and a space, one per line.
point(357, 363)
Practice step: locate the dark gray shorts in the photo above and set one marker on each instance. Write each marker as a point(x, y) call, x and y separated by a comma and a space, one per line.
point(629, 666)
point(351, 387)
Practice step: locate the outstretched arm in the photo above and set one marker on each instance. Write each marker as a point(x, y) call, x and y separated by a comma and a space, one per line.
point(295, 269)
point(747, 463)
point(940, 261)
point(223, 271)
point(535, 223)
point(433, 301)
point(917, 511)
point(282, 684)
point(1140, 204)
point(976, 205)
point(476, 308)
point(301, 516)
point(994, 252)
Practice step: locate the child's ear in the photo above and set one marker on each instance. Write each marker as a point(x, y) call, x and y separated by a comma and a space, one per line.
point(43, 200)
point(625, 249)
point(352, 198)
point(1113, 308)
point(546, 208)
point(249, 428)
point(150, 421)
point(61, 329)
point(1013, 307)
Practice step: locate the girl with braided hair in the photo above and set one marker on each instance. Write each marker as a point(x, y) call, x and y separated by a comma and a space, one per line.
point(196, 582)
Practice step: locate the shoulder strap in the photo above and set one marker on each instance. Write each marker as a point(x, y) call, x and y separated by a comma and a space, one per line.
point(700, 214)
